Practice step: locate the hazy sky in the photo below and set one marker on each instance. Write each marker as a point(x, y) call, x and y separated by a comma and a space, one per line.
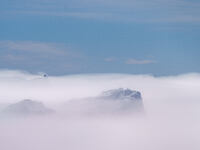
point(160, 37)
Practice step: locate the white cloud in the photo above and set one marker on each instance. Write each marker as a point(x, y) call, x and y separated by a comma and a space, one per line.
point(39, 56)
point(35, 47)
point(139, 62)
point(110, 59)
point(146, 11)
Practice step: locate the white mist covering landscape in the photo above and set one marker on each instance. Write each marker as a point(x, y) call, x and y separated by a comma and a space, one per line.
point(99, 112)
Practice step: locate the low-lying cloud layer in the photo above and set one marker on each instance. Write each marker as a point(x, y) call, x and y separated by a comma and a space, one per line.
point(171, 119)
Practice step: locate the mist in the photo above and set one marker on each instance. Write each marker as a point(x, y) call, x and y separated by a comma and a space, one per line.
point(170, 121)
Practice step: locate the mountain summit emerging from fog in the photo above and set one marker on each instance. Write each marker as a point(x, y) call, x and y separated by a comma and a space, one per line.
point(114, 101)
point(125, 100)
point(122, 94)
point(27, 107)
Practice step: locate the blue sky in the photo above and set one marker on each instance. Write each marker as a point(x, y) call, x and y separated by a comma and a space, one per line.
point(159, 37)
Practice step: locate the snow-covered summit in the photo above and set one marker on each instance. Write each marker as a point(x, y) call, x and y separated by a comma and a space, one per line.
point(121, 94)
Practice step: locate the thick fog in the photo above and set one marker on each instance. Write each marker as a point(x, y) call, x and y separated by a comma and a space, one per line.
point(170, 120)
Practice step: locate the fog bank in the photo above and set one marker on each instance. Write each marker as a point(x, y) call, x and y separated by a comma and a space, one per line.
point(171, 119)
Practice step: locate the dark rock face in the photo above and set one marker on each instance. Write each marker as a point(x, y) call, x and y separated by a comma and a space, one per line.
point(27, 107)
